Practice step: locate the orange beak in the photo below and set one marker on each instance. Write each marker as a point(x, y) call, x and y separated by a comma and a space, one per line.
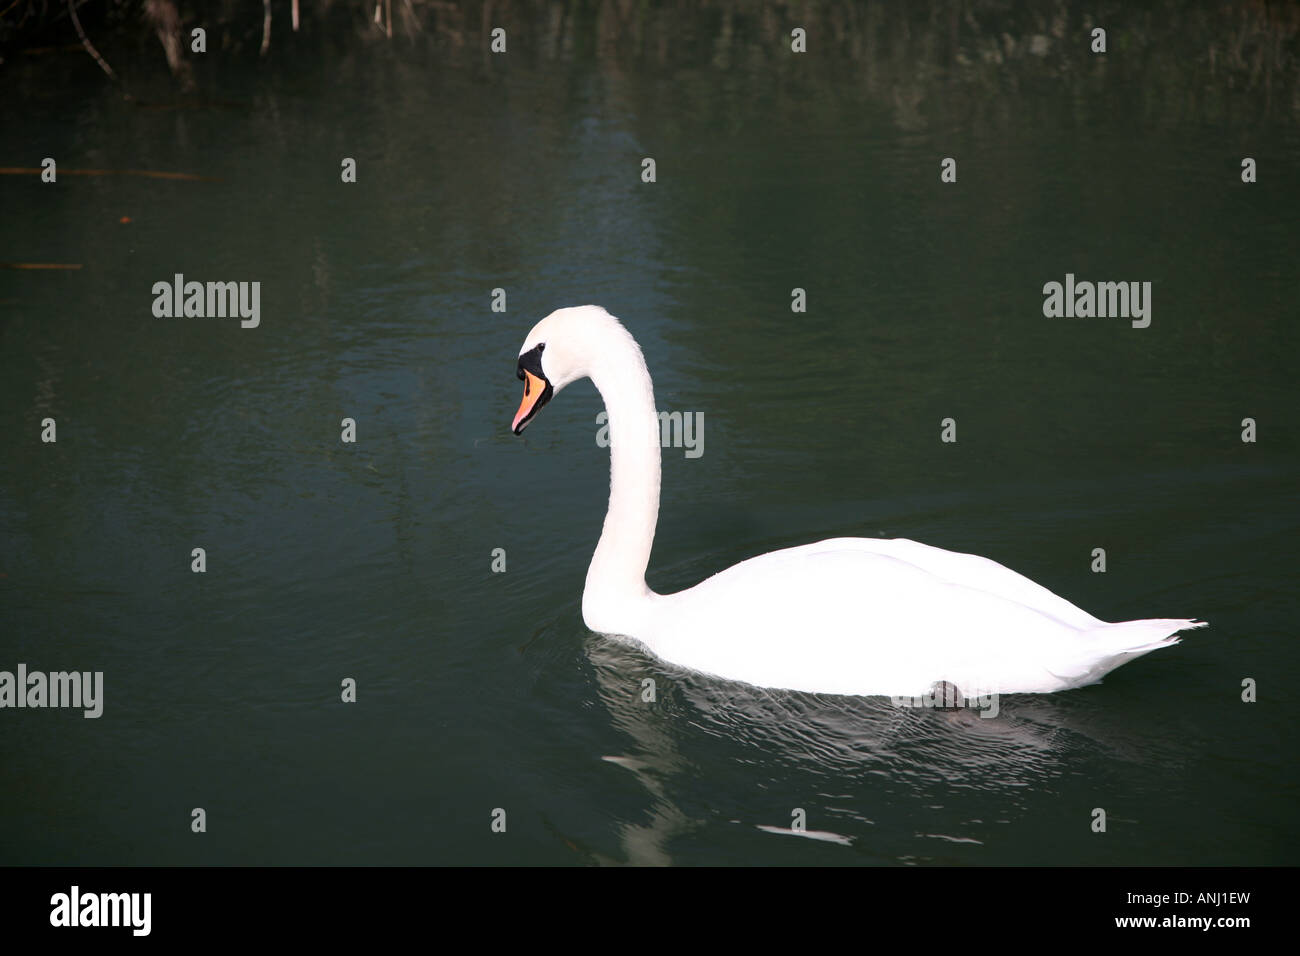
point(536, 392)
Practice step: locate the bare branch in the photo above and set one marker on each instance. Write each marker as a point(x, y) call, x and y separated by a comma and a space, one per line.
point(85, 41)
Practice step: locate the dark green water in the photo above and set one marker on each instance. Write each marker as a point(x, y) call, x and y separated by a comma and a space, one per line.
point(479, 690)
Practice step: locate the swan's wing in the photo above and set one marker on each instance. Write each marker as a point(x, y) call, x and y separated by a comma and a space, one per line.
point(849, 620)
point(954, 567)
point(869, 616)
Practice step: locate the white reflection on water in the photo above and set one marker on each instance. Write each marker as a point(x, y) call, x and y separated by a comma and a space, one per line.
point(852, 753)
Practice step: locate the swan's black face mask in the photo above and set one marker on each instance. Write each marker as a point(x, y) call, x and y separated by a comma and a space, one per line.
point(537, 390)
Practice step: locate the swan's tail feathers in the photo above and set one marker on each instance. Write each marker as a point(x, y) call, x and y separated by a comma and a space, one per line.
point(1142, 636)
point(1118, 644)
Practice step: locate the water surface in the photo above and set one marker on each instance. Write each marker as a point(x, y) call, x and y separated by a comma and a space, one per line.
point(372, 560)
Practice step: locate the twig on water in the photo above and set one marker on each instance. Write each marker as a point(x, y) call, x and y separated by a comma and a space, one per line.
point(144, 173)
point(40, 265)
point(85, 41)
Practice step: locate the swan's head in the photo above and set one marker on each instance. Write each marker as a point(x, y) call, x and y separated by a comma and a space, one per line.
point(557, 351)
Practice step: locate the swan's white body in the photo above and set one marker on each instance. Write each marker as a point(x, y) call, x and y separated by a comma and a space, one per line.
point(843, 616)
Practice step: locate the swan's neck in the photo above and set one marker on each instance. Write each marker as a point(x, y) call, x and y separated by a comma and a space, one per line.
point(616, 592)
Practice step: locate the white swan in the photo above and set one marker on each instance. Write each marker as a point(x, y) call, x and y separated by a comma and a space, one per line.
point(859, 616)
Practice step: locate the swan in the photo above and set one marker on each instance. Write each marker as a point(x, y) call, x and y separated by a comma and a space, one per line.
point(850, 616)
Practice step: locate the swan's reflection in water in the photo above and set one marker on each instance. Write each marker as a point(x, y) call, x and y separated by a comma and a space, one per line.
point(896, 784)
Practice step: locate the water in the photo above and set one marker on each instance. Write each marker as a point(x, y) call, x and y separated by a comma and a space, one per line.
point(372, 561)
